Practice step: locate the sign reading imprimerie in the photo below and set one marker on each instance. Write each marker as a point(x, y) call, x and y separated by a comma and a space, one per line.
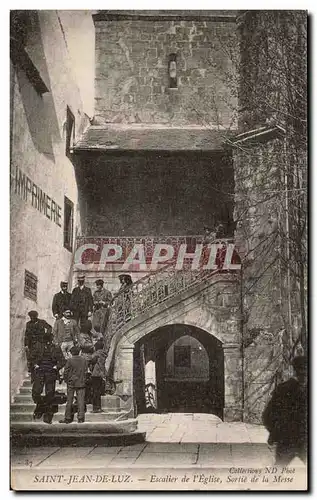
point(30, 192)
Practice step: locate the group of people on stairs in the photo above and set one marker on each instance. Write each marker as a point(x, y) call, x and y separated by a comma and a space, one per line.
point(73, 351)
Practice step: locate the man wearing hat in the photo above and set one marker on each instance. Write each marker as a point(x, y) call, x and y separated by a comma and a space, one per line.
point(285, 416)
point(81, 303)
point(37, 332)
point(102, 299)
point(66, 332)
point(48, 361)
point(61, 300)
point(124, 309)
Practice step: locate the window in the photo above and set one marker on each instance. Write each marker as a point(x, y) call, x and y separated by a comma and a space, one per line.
point(30, 285)
point(172, 71)
point(70, 131)
point(182, 356)
point(68, 223)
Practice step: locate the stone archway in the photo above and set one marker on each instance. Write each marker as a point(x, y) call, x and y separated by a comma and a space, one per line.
point(179, 368)
point(231, 406)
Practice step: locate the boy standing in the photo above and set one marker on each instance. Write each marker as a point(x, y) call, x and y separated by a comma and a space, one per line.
point(75, 373)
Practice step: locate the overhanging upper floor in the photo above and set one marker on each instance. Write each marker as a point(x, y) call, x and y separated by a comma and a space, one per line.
point(146, 137)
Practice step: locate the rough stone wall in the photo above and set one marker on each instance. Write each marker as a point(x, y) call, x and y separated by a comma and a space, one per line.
point(273, 55)
point(257, 208)
point(272, 92)
point(132, 81)
point(38, 149)
point(262, 371)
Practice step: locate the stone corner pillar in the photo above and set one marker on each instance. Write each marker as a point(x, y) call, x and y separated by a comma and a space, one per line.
point(233, 380)
point(124, 374)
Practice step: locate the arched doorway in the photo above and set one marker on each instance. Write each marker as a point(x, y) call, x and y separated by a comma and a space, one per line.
point(179, 368)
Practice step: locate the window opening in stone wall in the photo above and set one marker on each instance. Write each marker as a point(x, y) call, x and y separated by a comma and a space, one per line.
point(182, 356)
point(30, 285)
point(68, 223)
point(70, 131)
point(172, 71)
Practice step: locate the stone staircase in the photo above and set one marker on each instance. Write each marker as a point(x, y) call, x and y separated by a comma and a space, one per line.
point(113, 427)
point(116, 425)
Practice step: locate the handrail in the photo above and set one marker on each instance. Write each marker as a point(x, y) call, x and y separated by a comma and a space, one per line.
point(151, 290)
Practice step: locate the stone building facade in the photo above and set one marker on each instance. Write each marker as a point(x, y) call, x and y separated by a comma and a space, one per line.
point(166, 152)
point(50, 108)
point(133, 55)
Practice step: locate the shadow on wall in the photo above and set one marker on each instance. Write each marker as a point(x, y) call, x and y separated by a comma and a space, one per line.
point(263, 371)
point(39, 107)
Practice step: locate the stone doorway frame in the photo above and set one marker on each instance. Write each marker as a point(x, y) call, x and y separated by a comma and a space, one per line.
point(233, 379)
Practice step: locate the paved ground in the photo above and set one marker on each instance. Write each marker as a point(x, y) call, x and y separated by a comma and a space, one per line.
point(198, 428)
point(171, 439)
point(209, 452)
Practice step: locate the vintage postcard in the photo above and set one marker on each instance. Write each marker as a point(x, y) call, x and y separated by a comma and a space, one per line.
point(158, 196)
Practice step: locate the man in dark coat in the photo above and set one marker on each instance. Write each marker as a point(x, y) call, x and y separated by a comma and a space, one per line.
point(36, 333)
point(98, 375)
point(75, 375)
point(285, 416)
point(81, 303)
point(124, 295)
point(48, 360)
point(102, 299)
point(61, 301)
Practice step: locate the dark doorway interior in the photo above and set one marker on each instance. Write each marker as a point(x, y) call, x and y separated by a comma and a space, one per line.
point(179, 368)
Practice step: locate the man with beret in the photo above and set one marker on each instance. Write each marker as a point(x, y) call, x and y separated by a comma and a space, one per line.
point(285, 416)
point(61, 300)
point(37, 332)
point(81, 303)
point(102, 299)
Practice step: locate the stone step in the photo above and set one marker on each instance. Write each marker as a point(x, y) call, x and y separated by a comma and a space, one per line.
point(27, 383)
point(88, 433)
point(71, 439)
point(29, 407)
point(27, 416)
point(108, 402)
point(21, 428)
point(105, 429)
point(28, 389)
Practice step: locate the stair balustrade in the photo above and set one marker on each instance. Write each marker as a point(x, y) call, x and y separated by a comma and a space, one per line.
point(155, 288)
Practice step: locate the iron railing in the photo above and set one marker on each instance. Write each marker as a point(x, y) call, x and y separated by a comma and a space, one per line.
point(153, 289)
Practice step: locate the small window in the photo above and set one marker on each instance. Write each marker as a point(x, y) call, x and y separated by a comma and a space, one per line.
point(172, 71)
point(182, 356)
point(30, 285)
point(68, 223)
point(70, 131)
